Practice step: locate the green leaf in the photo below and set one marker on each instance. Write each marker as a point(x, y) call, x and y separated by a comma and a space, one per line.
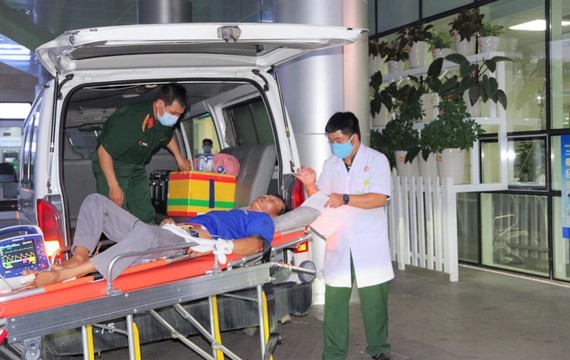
point(474, 94)
point(490, 85)
point(466, 69)
point(501, 98)
point(435, 68)
point(448, 87)
point(376, 80)
point(491, 65)
point(501, 58)
point(456, 58)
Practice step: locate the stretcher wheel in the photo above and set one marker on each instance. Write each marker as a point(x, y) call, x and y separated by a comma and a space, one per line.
point(307, 277)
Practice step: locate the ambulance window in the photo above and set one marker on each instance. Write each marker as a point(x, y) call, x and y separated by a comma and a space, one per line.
point(203, 128)
point(252, 124)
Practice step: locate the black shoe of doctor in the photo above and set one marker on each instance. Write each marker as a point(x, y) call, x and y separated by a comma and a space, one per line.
point(382, 356)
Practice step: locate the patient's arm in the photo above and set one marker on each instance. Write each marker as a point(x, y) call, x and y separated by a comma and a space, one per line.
point(247, 246)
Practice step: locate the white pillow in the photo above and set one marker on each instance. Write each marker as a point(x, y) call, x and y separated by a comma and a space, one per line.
point(296, 218)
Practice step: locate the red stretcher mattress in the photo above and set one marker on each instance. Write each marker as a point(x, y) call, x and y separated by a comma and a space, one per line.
point(134, 278)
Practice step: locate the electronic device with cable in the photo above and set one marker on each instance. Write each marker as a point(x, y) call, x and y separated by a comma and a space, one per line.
point(21, 248)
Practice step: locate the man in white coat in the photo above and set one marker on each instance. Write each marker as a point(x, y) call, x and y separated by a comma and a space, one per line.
point(358, 178)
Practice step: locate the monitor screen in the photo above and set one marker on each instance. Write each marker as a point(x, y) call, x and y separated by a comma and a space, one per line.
point(18, 254)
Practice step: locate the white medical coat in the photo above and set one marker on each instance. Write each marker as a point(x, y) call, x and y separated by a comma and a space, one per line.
point(365, 233)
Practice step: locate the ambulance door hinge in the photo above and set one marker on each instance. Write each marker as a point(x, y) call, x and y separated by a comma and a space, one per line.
point(258, 73)
point(68, 77)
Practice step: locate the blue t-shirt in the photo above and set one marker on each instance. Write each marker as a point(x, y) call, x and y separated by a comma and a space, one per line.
point(236, 224)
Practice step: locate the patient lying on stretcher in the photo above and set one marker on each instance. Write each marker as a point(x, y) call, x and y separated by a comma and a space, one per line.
point(239, 231)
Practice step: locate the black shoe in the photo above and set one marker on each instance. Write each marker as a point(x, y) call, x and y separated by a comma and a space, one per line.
point(382, 356)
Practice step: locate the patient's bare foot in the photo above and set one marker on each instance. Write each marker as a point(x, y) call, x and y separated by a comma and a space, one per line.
point(80, 256)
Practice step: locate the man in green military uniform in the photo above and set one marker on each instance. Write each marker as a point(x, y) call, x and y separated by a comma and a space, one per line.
point(129, 138)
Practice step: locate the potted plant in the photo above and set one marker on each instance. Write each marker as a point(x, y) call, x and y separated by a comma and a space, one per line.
point(416, 39)
point(473, 78)
point(379, 142)
point(402, 142)
point(440, 44)
point(464, 28)
point(380, 100)
point(489, 37)
point(373, 57)
point(395, 54)
point(449, 136)
point(401, 134)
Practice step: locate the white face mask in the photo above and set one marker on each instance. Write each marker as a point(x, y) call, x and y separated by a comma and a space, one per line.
point(167, 119)
point(343, 150)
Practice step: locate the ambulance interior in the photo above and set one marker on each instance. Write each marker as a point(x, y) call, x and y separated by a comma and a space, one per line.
point(233, 115)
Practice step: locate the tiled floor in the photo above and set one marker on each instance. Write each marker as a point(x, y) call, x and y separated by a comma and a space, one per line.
point(483, 316)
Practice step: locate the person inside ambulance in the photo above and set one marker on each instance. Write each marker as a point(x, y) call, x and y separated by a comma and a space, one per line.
point(129, 138)
point(239, 231)
point(356, 178)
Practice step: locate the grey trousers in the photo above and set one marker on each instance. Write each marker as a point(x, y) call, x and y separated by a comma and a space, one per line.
point(99, 215)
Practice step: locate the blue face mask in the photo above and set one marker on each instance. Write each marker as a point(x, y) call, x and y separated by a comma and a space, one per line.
point(343, 150)
point(167, 119)
point(207, 149)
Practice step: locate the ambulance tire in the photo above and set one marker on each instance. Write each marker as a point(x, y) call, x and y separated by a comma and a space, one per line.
point(306, 277)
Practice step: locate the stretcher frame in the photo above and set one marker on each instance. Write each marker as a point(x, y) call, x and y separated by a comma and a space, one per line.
point(240, 273)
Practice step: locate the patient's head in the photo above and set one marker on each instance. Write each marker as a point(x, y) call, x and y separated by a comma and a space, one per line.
point(271, 204)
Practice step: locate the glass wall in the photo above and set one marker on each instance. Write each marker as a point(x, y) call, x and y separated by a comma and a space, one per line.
point(515, 232)
point(392, 14)
point(517, 229)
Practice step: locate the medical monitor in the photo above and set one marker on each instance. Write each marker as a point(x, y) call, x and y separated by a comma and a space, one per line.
point(25, 250)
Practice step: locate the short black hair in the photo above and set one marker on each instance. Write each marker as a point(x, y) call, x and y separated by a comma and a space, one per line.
point(208, 141)
point(346, 122)
point(284, 208)
point(173, 92)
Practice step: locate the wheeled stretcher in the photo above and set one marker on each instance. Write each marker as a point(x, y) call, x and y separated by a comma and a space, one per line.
point(26, 316)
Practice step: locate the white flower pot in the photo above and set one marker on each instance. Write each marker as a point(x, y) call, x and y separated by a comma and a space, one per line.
point(417, 54)
point(406, 168)
point(382, 118)
point(489, 43)
point(395, 66)
point(374, 64)
point(451, 163)
point(437, 53)
point(464, 47)
point(428, 168)
point(429, 105)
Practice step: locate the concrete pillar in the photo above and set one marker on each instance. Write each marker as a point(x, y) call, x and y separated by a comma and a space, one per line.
point(355, 14)
point(320, 84)
point(312, 85)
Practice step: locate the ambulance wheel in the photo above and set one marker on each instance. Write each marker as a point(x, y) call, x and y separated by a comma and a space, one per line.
point(307, 277)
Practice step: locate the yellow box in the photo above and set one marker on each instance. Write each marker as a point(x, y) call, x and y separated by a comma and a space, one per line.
point(196, 192)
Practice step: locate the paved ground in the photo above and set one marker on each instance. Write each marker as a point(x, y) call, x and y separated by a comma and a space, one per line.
point(483, 316)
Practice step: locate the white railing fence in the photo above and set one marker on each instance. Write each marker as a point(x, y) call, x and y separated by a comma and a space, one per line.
point(422, 223)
